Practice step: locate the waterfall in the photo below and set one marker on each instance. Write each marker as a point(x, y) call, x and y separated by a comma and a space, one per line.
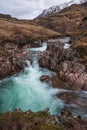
point(27, 92)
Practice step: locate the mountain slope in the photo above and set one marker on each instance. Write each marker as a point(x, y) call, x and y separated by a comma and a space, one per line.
point(58, 8)
point(71, 21)
point(22, 32)
point(66, 22)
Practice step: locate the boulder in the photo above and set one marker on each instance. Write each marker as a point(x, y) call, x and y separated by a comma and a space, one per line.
point(44, 78)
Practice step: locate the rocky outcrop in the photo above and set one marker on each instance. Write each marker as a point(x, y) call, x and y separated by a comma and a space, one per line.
point(66, 63)
point(12, 61)
point(75, 74)
point(7, 16)
point(52, 56)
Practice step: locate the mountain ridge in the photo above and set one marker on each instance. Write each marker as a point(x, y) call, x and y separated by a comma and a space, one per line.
point(57, 8)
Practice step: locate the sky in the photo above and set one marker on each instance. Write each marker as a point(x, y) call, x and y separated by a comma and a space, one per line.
point(26, 9)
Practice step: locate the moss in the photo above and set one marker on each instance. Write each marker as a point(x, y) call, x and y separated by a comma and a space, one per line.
point(19, 120)
point(35, 121)
point(39, 38)
point(49, 127)
point(30, 39)
point(33, 39)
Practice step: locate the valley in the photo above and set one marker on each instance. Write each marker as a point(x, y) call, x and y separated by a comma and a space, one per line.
point(43, 71)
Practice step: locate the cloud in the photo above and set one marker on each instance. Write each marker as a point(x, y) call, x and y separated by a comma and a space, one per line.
point(49, 3)
point(26, 9)
point(20, 8)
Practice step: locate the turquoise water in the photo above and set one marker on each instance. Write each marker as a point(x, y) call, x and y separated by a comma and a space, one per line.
point(27, 92)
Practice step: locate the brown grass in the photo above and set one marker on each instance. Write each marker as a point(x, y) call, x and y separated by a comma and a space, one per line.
point(68, 21)
point(19, 31)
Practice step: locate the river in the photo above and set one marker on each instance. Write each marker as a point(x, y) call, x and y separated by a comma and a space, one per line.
point(27, 92)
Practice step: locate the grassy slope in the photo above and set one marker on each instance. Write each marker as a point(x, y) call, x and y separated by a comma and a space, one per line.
point(22, 31)
point(66, 22)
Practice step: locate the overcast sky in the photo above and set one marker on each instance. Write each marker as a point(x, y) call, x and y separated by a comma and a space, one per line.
point(26, 9)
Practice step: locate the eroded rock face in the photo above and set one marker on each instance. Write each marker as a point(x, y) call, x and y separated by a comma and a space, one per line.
point(52, 56)
point(66, 62)
point(13, 61)
point(75, 74)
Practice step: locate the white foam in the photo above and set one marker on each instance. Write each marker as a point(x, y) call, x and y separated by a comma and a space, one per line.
point(29, 93)
point(40, 49)
point(66, 46)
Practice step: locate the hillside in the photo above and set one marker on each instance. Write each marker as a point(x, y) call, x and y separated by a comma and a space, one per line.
point(22, 32)
point(71, 21)
point(67, 22)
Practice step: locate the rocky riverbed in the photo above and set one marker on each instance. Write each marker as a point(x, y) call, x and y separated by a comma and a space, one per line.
point(70, 74)
point(70, 77)
point(67, 65)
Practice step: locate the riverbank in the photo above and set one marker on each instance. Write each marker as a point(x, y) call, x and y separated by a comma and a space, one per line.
point(63, 60)
point(41, 121)
point(70, 74)
point(12, 61)
point(66, 62)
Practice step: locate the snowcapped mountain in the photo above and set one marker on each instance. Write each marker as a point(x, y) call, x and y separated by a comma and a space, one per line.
point(58, 8)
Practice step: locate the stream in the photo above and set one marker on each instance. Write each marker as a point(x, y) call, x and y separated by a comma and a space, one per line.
point(25, 91)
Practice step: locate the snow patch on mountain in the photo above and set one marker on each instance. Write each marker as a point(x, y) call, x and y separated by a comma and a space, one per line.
point(58, 8)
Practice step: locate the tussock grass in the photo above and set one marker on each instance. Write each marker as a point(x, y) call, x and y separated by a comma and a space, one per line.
point(23, 32)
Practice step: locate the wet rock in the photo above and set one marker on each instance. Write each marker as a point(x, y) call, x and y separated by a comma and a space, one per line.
point(52, 56)
point(57, 83)
point(74, 74)
point(65, 62)
point(13, 61)
point(44, 78)
point(78, 99)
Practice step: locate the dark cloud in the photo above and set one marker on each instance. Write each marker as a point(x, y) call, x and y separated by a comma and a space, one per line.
point(26, 9)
